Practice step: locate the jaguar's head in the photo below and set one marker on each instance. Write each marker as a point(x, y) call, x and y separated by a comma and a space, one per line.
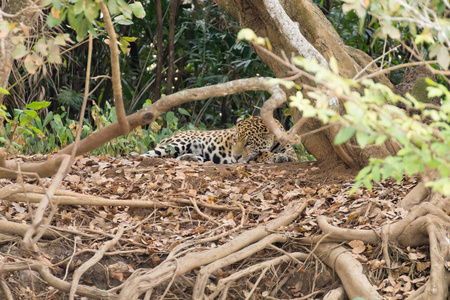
point(252, 137)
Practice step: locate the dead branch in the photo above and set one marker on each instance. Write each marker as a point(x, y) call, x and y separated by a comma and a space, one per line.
point(34, 233)
point(146, 116)
point(5, 289)
point(149, 114)
point(115, 71)
point(40, 169)
point(93, 260)
point(46, 275)
point(349, 270)
point(33, 194)
point(146, 280)
point(87, 200)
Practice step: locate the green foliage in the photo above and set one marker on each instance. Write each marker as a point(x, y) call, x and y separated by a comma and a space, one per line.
point(26, 133)
point(429, 30)
point(363, 35)
point(374, 117)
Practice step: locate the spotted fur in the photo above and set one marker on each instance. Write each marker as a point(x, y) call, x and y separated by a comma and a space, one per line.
point(248, 140)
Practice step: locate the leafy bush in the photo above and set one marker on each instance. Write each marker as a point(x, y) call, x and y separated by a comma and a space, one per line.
point(26, 133)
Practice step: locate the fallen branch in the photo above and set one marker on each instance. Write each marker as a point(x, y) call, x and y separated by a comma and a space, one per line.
point(34, 233)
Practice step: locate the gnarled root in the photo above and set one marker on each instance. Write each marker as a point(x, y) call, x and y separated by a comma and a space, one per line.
point(143, 281)
point(425, 224)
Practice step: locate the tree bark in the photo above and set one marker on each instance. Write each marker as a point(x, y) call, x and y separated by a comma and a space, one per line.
point(320, 34)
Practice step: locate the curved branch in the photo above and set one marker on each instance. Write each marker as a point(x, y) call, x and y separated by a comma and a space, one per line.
point(115, 71)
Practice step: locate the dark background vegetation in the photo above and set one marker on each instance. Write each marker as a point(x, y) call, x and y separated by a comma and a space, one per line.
point(205, 52)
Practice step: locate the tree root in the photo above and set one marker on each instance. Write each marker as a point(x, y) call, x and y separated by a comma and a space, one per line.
point(425, 224)
point(336, 294)
point(142, 281)
point(205, 272)
point(349, 270)
point(44, 272)
point(255, 268)
point(33, 194)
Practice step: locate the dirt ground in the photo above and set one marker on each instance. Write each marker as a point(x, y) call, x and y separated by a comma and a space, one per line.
point(196, 201)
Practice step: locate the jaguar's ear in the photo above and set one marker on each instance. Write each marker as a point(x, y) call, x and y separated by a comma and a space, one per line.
point(239, 120)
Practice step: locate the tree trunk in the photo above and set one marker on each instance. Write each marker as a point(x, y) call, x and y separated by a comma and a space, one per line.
point(258, 15)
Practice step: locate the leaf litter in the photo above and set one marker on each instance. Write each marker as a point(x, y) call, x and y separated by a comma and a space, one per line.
point(228, 200)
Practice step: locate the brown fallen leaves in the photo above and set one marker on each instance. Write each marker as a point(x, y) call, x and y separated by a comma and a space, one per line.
point(226, 197)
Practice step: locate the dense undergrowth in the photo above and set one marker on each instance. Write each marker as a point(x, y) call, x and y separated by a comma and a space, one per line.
point(25, 132)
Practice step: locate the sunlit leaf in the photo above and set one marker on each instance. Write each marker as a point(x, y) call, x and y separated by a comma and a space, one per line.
point(137, 9)
point(20, 51)
point(344, 135)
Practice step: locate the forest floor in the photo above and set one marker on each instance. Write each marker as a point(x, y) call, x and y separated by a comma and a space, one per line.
point(200, 201)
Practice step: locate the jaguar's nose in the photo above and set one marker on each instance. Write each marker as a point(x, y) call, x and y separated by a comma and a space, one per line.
point(236, 157)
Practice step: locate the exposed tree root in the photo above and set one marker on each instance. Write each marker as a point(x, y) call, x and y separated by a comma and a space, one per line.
point(336, 294)
point(205, 272)
point(54, 281)
point(143, 281)
point(255, 268)
point(425, 224)
point(348, 269)
point(33, 194)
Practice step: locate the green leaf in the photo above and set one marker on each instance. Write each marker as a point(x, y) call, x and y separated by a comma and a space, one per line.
point(246, 34)
point(57, 4)
point(20, 51)
point(376, 173)
point(344, 135)
point(48, 118)
point(4, 91)
point(38, 105)
point(362, 138)
point(112, 6)
point(184, 112)
point(137, 9)
point(91, 10)
point(122, 21)
point(334, 65)
point(78, 8)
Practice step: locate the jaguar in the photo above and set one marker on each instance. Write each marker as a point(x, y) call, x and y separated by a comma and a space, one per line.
point(248, 140)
